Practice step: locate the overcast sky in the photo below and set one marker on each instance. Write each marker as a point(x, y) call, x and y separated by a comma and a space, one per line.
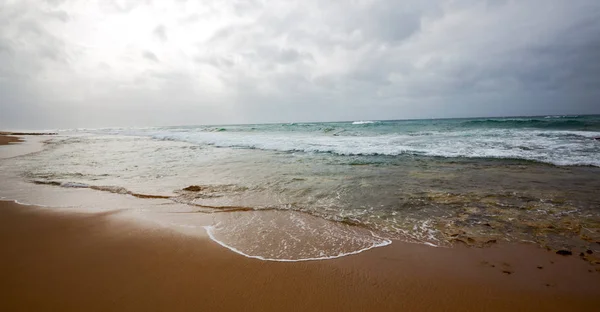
point(67, 64)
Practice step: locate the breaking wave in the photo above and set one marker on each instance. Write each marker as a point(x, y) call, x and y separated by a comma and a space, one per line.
point(365, 122)
point(563, 148)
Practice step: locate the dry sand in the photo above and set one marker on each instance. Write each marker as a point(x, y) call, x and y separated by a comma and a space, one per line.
point(95, 262)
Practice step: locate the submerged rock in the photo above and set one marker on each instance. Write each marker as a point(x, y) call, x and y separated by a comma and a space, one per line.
point(47, 182)
point(564, 252)
point(193, 188)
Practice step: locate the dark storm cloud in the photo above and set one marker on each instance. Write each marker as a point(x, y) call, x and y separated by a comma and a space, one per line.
point(267, 61)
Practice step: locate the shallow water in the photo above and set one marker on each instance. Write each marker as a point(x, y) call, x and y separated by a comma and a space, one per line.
point(306, 191)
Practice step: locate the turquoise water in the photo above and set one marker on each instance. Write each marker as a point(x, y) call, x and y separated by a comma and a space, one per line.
point(559, 140)
point(573, 123)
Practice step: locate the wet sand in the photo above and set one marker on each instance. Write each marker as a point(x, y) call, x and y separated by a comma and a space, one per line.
point(6, 139)
point(20, 144)
point(96, 262)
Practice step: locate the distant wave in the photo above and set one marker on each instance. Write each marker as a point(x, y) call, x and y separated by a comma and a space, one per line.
point(558, 123)
point(561, 116)
point(363, 122)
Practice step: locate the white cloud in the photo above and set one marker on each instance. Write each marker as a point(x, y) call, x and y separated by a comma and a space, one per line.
point(83, 63)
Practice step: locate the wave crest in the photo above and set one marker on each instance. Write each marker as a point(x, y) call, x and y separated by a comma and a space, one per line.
point(363, 122)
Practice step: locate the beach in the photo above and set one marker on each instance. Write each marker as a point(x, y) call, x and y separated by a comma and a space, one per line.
point(71, 261)
point(299, 155)
point(74, 262)
point(6, 139)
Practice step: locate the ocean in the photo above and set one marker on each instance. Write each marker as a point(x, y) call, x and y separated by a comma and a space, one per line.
point(306, 191)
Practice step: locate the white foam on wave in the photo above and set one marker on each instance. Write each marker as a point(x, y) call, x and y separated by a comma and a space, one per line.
point(288, 236)
point(554, 147)
point(561, 116)
point(29, 204)
point(209, 231)
point(363, 122)
point(24, 203)
point(74, 185)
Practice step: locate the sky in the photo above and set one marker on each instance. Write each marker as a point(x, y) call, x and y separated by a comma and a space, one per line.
point(84, 64)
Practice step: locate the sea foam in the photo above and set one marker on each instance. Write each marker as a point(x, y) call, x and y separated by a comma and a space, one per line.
point(553, 147)
point(290, 236)
point(362, 122)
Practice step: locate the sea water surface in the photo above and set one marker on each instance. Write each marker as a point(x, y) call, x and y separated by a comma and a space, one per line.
point(305, 191)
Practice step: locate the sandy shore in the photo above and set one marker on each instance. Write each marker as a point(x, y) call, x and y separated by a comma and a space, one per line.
point(95, 262)
point(29, 143)
point(6, 139)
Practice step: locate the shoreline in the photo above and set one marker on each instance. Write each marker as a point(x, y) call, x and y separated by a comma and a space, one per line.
point(73, 261)
point(209, 233)
point(93, 261)
point(9, 139)
point(12, 145)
